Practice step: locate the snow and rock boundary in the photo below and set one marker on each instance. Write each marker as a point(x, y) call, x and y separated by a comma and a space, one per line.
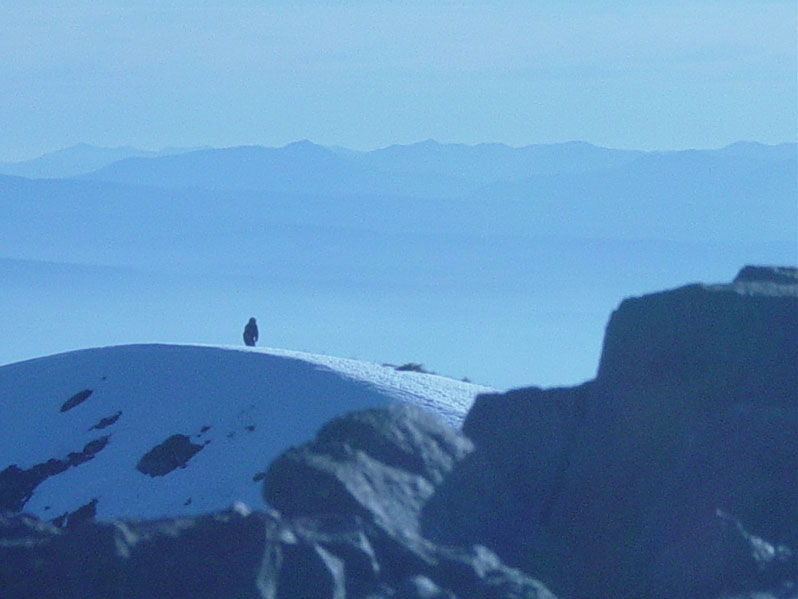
point(229, 410)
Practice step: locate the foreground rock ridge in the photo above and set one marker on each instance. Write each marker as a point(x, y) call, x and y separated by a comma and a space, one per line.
point(639, 483)
point(673, 474)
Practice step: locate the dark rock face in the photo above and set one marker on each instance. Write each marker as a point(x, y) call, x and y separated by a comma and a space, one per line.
point(711, 344)
point(205, 557)
point(381, 465)
point(243, 555)
point(613, 489)
point(782, 275)
point(365, 478)
point(75, 517)
point(535, 458)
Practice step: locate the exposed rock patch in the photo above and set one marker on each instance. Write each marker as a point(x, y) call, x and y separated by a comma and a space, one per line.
point(356, 491)
point(76, 399)
point(17, 485)
point(174, 452)
point(106, 422)
point(204, 558)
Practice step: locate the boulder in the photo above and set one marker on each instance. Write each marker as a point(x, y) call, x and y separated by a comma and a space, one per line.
point(612, 488)
point(370, 474)
point(381, 465)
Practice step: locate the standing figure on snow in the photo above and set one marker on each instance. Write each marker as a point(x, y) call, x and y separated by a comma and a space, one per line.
point(251, 332)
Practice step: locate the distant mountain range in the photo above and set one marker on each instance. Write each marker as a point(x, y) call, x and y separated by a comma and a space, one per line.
point(424, 169)
point(744, 192)
point(79, 159)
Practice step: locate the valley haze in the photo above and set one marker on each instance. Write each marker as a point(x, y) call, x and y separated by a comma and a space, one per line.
point(484, 261)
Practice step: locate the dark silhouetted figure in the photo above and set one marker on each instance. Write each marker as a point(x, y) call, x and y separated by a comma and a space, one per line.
point(251, 332)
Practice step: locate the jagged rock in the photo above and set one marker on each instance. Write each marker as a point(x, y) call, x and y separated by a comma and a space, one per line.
point(533, 457)
point(334, 540)
point(733, 561)
point(374, 470)
point(401, 436)
point(75, 517)
point(304, 571)
point(758, 565)
point(241, 554)
point(205, 557)
point(381, 465)
point(611, 489)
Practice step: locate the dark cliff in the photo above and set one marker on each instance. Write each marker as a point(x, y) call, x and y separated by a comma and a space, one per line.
point(637, 484)
point(713, 342)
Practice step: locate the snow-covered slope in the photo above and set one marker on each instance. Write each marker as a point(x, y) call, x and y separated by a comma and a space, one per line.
point(82, 422)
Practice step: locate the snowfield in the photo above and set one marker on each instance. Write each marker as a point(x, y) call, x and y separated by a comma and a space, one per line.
point(100, 411)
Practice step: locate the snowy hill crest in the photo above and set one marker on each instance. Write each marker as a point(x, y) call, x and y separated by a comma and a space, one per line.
point(155, 430)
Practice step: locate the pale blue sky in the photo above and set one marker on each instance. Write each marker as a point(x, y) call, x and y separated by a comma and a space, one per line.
point(365, 74)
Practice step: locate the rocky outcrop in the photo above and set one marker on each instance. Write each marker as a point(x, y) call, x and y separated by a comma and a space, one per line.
point(350, 501)
point(244, 555)
point(380, 465)
point(507, 488)
point(709, 343)
point(378, 468)
point(205, 557)
point(613, 489)
point(673, 474)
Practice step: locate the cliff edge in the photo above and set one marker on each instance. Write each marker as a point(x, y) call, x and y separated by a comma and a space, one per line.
point(661, 476)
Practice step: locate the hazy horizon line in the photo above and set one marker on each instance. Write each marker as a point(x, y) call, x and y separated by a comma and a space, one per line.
point(193, 147)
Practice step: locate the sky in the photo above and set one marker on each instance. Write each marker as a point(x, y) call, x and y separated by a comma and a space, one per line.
point(363, 74)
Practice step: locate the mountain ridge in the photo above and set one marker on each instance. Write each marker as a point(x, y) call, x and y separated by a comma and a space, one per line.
point(77, 159)
point(453, 161)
